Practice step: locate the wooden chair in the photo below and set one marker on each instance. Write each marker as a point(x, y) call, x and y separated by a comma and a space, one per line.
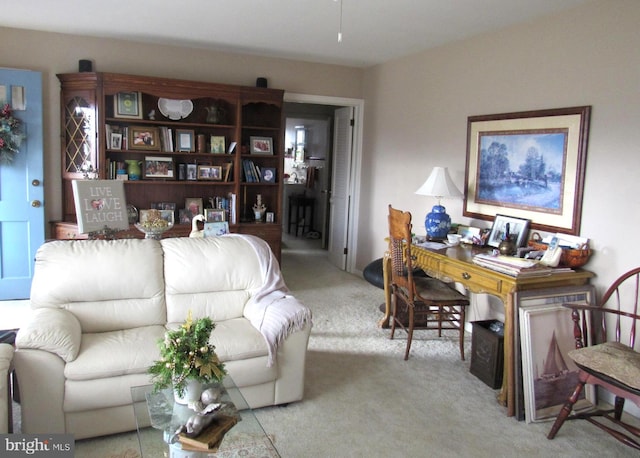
point(612, 364)
point(433, 302)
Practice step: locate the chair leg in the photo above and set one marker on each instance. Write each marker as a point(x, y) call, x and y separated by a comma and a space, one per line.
point(410, 332)
point(440, 314)
point(618, 407)
point(565, 411)
point(461, 329)
point(394, 305)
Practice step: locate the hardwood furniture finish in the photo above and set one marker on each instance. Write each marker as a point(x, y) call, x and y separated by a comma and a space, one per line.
point(455, 264)
point(612, 364)
point(434, 302)
point(237, 113)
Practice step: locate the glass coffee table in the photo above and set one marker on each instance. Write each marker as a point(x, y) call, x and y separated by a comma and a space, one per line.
point(158, 417)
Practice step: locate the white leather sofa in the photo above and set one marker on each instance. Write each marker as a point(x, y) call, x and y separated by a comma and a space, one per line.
point(100, 307)
point(6, 355)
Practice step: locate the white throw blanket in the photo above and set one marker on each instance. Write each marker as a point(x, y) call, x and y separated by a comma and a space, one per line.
point(271, 309)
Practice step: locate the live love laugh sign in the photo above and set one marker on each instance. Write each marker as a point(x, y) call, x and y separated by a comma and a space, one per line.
point(100, 204)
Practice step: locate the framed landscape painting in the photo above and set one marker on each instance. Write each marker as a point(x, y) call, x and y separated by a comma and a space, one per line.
point(528, 165)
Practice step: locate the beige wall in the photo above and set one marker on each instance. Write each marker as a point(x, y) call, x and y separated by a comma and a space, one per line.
point(52, 53)
point(416, 111)
point(416, 108)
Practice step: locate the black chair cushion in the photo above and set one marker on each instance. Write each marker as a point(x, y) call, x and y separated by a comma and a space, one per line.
point(373, 273)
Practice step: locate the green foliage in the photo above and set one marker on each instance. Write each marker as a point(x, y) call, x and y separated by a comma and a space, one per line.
point(11, 135)
point(187, 354)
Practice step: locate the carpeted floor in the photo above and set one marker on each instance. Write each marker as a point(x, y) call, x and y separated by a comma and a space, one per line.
point(363, 400)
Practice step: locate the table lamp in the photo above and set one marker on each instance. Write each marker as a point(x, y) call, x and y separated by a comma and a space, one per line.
point(439, 184)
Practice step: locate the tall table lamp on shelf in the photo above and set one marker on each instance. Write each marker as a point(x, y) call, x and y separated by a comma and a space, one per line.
point(439, 184)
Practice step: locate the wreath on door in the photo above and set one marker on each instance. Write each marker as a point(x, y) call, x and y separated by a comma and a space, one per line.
point(11, 135)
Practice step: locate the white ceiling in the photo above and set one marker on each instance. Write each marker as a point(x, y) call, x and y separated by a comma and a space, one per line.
point(373, 31)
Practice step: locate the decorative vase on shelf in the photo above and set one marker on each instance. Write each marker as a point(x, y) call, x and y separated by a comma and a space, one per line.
point(133, 169)
point(192, 392)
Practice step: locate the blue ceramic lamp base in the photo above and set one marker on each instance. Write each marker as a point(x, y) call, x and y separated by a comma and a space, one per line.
point(437, 223)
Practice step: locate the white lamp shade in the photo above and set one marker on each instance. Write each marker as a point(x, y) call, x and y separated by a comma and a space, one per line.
point(439, 184)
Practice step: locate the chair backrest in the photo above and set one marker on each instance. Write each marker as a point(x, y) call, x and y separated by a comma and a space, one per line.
point(621, 300)
point(400, 250)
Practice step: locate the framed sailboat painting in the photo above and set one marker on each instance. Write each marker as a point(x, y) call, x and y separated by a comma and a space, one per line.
point(549, 376)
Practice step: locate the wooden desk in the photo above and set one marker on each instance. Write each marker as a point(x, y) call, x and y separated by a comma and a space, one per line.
point(454, 264)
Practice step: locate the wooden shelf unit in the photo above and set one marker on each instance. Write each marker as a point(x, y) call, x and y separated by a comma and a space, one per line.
point(88, 115)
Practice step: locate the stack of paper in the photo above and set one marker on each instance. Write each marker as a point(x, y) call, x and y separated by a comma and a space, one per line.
point(516, 267)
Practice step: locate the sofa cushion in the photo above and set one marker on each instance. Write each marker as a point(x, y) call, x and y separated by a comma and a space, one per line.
point(130, 277)
point(82, 395)
point(227, 270)
point(110, 354)
point(237, 339)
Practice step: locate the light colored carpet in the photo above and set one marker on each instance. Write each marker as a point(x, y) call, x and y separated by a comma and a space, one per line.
point(363, 400)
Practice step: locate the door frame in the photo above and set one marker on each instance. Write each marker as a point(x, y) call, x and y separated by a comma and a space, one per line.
point(356, 161)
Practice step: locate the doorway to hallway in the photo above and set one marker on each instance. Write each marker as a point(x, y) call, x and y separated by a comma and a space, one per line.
point(310, 171)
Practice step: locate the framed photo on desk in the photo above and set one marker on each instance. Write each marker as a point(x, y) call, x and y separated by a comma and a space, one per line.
point(518, 228)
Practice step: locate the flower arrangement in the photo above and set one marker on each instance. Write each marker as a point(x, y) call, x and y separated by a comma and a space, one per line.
point(11, 135)
point(187, 354)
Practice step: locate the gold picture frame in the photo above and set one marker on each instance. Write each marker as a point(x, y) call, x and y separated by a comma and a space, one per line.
point(144, 137)
point(528, 165)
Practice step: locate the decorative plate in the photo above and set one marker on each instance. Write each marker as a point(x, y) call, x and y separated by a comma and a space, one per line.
point(175, 109)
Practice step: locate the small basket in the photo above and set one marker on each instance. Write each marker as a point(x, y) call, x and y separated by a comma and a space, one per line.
point(571, 257)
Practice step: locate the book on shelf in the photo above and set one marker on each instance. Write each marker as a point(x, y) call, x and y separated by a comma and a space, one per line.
point(232, 208)
point(517, 267)
point(228, 167)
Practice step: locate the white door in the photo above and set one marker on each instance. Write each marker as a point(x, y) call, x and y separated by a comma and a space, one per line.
point(339, 202)
point(21, 186)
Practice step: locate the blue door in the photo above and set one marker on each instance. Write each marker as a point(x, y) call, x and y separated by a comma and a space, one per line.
point(21, 185)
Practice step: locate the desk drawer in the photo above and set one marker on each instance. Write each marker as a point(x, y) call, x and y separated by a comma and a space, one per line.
point(472, 278)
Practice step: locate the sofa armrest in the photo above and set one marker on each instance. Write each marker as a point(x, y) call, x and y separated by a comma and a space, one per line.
point(56, 331)
point(6, 417)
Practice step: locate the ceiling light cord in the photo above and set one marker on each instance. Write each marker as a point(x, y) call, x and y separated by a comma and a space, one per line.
point(340, 23)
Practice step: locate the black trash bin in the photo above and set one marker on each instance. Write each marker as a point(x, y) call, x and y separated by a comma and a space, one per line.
point(487, 352)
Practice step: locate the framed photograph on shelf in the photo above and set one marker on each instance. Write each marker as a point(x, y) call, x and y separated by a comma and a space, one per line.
point(268, 174)
point(127, 105)
point(144, 137)
point(116, 141)
point(192, 172)
point(210, 172)
point(547, 376)
point(184, 216)
point(261, 145)
point(214, 215)
point(158, 168)
point(518, 229)
point(215, 229)
point(185, 140)
point(217, 144)
point(530, 165)
point(194, 205)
